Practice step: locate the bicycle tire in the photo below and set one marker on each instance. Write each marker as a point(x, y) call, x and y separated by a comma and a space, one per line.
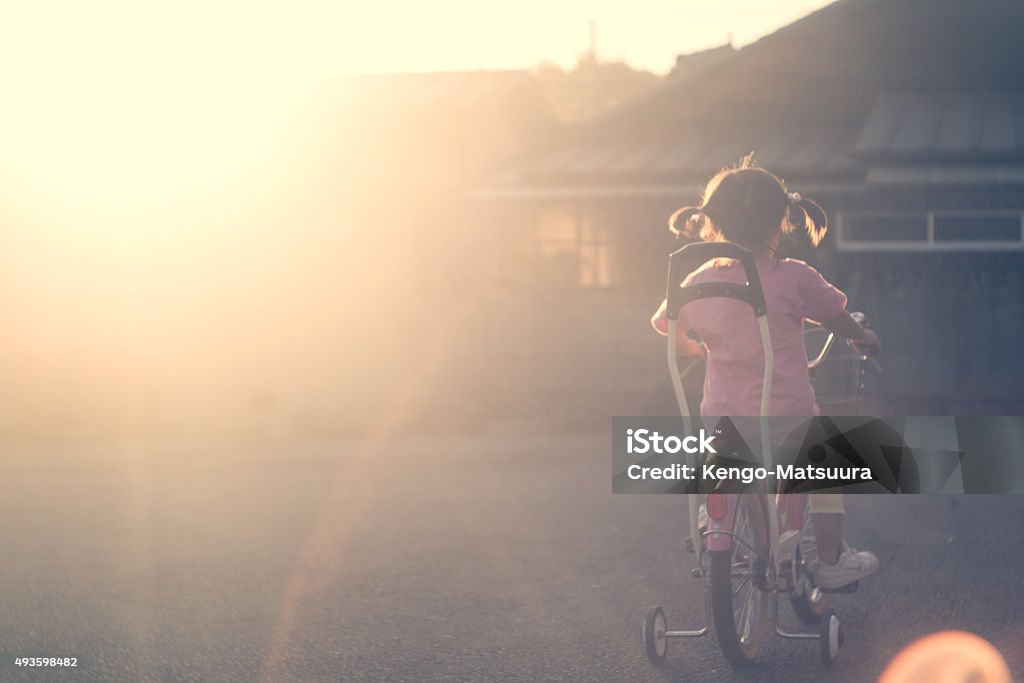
point(750, 546)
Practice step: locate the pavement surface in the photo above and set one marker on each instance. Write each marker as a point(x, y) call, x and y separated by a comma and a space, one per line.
point(484, 558)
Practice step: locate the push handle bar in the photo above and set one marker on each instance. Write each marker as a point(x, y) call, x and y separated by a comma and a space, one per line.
point(686, 260)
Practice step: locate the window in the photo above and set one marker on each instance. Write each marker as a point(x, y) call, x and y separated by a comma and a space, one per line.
point(576, 240)
point(968, 227)
point(885, 227)
point(938, 229)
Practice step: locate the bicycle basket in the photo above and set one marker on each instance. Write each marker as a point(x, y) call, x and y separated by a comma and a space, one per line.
point(839, 381)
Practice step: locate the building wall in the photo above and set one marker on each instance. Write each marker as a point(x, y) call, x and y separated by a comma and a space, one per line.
point(950, 312)
point(582, 350)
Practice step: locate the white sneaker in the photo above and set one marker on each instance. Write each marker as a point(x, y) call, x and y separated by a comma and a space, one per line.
point(809, 548)
point(852, 566)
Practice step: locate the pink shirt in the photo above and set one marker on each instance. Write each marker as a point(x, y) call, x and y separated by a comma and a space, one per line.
point(735, 364)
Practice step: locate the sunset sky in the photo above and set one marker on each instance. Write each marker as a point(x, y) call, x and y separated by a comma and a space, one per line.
point(117, 100)
point(324, 36)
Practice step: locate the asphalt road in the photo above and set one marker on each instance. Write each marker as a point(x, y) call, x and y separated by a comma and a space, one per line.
point(444, 558)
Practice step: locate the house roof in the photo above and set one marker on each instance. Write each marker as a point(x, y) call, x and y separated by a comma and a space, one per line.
point(820, 150)
point(855, 83)
point(953, 126)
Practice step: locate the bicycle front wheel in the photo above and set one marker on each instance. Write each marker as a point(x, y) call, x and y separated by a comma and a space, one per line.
point(739, 607)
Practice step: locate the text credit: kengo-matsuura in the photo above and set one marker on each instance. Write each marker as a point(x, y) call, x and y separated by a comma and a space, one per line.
point(643, 441)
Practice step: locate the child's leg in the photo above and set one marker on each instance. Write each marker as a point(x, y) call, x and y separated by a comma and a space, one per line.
point(837, 566)
point(826, 511)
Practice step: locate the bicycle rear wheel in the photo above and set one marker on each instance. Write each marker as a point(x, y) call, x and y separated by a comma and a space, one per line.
point(739, 607)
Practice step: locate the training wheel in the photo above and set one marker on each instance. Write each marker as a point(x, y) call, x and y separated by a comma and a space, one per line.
point(655, 642)
point(830, 636)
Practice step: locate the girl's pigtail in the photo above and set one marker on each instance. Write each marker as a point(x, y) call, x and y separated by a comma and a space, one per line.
point(815, 218)
point(680, 222)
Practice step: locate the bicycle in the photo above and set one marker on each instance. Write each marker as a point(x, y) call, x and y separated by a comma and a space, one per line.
point(750, 552)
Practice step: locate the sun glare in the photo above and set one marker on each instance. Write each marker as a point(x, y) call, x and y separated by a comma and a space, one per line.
point(175, 190)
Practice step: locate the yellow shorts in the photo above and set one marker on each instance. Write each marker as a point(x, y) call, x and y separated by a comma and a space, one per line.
point(825, 503)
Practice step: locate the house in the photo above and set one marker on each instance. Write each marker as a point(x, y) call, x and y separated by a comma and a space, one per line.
point(903, 118)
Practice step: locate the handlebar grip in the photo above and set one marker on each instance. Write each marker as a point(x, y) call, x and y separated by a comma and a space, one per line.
point(686, 260)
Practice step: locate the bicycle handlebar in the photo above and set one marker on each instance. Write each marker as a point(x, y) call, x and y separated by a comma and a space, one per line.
point(826, 348)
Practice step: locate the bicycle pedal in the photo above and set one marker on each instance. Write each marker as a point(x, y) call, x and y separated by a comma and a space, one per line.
point(848, 588)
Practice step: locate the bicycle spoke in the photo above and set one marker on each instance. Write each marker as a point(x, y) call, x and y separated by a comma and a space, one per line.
point(738, 617)
point(740, 587)
point(745, 620)
point(745, 594)
point(752, 609)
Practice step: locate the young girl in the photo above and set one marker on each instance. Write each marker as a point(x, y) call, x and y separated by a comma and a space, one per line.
point(751, 207)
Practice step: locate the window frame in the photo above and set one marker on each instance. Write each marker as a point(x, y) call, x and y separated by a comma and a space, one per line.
point(929, 243)
point(592, 240)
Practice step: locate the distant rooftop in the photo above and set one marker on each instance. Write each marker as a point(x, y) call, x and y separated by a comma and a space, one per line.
point(694, 62)
point(855, 83)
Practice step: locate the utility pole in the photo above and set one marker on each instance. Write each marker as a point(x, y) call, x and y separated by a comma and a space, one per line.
point(590, 100)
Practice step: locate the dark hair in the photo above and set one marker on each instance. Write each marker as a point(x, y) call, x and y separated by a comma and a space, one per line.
point(746, 204)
